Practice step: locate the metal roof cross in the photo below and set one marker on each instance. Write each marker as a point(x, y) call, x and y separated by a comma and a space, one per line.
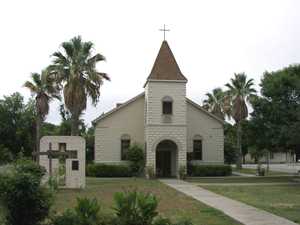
point(164, 30)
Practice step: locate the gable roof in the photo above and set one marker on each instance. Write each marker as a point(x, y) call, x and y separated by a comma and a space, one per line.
point(165, 66)
point(104, 115)
point(117, 108)
point(205, 111)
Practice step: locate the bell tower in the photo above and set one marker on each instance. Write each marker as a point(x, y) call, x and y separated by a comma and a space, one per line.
point(165, 110)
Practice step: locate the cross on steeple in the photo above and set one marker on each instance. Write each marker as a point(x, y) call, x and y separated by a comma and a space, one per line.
point(164, 30)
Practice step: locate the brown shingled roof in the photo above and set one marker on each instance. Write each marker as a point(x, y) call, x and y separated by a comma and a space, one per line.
point(165, 66)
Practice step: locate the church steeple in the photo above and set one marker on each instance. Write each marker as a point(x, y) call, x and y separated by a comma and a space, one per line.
point(165, 66)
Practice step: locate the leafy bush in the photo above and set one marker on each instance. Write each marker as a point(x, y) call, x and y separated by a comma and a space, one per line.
point(68, 217)
point(106, 170)
point(24, 165)
point(85, 213)
point(5, 155)
point(131, 208)
point(184, 222)
point(135, 208)
point(136, 157)
point(25, 201)
point(209, 170)
point(162, 221)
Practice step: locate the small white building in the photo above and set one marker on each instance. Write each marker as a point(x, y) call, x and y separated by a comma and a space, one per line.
point(171, 127)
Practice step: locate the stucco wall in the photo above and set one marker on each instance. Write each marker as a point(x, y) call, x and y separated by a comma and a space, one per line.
point(127, 120)
point(211, 131)
point(74, 178)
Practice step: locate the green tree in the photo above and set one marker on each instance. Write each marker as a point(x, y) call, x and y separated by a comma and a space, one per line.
point(17, 123)
point(240, 92)
point(75, 68)
point(215, 103)
point(64, 127)
point(44, 88)
point(275, 117)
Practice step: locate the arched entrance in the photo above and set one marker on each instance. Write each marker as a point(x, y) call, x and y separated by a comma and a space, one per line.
point(166, 159)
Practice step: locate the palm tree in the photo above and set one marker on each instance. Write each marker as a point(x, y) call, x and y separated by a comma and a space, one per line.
point(215, 103)
point(45, 89)
point(240, 93)
point(75, 69)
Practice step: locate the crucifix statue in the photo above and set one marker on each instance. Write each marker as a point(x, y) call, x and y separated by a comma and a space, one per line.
point(57, 154)
point(164, 30)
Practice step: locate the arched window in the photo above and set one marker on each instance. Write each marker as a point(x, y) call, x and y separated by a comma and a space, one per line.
point(197, 147)
point(125, 144)
point(167, 105)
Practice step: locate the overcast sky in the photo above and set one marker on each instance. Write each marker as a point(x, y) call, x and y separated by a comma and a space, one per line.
point(210, 40)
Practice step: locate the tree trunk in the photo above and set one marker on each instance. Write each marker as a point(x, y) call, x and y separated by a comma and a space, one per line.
point(239, 146)
point(38, 136)
point(74, 125)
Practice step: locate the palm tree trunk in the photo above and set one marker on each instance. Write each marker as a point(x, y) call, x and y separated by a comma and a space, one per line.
point(38, 136)
point(74, 125)
point(239, 146)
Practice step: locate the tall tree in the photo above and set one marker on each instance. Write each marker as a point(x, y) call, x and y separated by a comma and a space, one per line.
point(44, 88)
point(276, 114)
point(75, 69)
point(215, 103)
point(240, 92)
point(17, 123)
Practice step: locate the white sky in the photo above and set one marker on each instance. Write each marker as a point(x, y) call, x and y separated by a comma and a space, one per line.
point(210, 40)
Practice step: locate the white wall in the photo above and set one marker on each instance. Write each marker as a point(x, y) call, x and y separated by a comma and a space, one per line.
point(108, 132)
point(211, 131)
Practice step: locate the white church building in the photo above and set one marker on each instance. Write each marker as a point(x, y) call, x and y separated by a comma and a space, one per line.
point(172, 128)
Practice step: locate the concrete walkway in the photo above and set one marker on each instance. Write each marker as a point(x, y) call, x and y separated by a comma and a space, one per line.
point(243, 174)
point(246, 184)
point(292, 168)
point(239, 211)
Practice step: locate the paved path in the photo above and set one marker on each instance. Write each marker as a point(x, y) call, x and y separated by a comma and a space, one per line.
point(241, 212)
point(243, 174)
point(286, 167)
point(246, 184)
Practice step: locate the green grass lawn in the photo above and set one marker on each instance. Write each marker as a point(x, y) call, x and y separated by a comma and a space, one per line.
point(238, 179)
point(254, 171)
point(281, 200)
point(172, 204)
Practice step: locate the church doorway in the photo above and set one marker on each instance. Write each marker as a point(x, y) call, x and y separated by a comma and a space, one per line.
point(166, 159)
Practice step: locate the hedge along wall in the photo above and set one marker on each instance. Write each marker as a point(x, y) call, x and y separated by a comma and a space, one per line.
point(108, 170)
point(209, 170)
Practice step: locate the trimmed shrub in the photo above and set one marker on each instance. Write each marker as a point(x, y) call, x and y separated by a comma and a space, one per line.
point(108, 170)
point(209, 170)
point(136, 157)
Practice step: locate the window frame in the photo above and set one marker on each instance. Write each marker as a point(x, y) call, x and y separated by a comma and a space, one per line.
point(197, 150)
point(125, 141)
point(167, 106)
